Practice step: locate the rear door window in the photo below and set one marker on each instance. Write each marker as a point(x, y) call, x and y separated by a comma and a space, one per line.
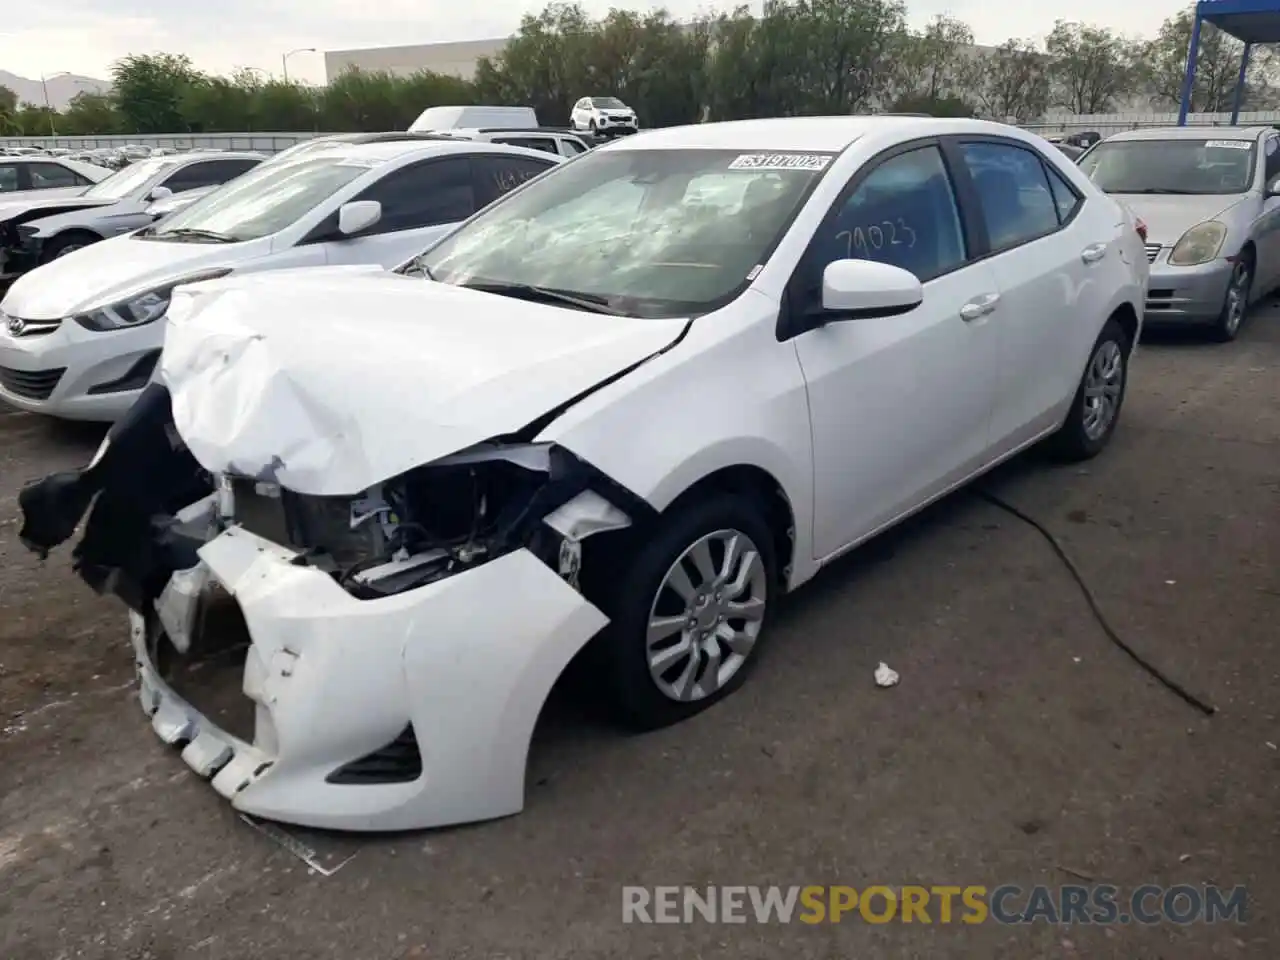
point(496, 175)
point(1018, 204)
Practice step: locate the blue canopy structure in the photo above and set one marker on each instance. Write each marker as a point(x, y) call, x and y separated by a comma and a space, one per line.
point(1249, 21)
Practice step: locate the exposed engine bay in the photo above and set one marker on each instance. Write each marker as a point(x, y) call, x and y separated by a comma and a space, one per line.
point(427, 524)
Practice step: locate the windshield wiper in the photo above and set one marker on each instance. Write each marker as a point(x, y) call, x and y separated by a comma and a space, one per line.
point(525, 291)
point(198, 235)
point(1172, 191)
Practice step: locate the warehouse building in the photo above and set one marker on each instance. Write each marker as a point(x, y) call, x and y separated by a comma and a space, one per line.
point(456, 59)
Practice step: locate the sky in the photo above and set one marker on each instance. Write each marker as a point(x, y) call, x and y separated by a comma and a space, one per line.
point(87, 36)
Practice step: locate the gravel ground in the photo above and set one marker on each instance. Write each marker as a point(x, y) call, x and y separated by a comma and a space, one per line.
point(1021, 747)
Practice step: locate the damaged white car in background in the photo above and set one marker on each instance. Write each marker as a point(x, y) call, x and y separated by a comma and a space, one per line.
point(617, 413)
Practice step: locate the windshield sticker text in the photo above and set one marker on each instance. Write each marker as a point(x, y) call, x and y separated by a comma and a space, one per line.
point(1229, 145)
point(780, 161)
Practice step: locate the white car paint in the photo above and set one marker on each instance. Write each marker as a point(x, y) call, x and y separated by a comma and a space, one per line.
point(857, 422)
point(122, 268)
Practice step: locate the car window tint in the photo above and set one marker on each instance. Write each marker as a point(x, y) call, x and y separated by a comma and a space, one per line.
point(210, 173)
point(1065, 198)
point(423, 194)
point(496, 175)
point(544, 144)
point(8, 178)
point(48, 175)
point(1013, 188)
point(903, 213)
point(572, 147)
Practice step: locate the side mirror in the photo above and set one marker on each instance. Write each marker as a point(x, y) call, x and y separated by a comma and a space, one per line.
point(357, 216)
point(1273, 188)
point(160, 193)
point(858, 289)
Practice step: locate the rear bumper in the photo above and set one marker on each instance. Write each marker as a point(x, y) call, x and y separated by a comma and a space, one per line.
point(334, 679)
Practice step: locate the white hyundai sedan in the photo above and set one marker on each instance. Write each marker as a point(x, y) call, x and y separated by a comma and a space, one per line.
point(619, 413)
point(80, 335)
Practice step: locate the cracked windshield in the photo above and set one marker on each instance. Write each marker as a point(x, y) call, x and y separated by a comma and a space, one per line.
point(651, 233)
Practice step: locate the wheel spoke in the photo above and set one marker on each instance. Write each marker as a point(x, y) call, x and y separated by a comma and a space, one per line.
point(710, 680)
point(746, 570)
point(732, 554)
point(678, 580)
point(684, 686)
point(659, 660)
point(701, 557)
point(752, 609)
point(738, 641)
point(662, 627)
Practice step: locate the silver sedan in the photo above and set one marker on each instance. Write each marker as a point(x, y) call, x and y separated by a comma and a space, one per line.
point(1210, 199)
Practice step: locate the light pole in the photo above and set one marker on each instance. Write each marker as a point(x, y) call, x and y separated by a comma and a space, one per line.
point(284, 61)
point(44, 85)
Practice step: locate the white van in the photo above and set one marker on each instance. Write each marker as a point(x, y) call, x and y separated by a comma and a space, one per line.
point(450, 118)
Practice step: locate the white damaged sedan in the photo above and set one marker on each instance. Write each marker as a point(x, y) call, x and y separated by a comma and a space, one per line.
point(617, 413)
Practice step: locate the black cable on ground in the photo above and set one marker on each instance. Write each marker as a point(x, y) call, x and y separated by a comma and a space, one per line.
point(1168, 683)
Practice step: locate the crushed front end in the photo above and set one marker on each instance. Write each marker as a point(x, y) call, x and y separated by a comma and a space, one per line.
point(393, 648)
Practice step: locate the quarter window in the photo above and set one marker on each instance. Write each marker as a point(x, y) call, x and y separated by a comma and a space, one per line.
point(8, 178)
point(1064, 197)
point(1013, 189)
point(903, 213)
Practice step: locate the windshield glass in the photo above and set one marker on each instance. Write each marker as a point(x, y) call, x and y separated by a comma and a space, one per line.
point(659, 233)
point(131, 178)
point(608, 103)
point(303, 148)
point(265, 200)
point(1172, 166)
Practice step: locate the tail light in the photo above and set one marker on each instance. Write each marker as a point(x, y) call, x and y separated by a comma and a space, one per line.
point(1141, 227)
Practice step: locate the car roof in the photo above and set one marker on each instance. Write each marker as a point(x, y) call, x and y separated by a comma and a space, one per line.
point(420, 146)
point(1192, 133)
point(826, 134)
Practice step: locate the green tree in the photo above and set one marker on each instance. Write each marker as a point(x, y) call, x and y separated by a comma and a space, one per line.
point(735, 83)
point(1090, 67)
point(8, 111)
point(35, 120)
point(150, 91)
point(1012, 82)
point(1164, 61)
point(544, 66)
point(288, 106)
point(90, 113)
point(934, 66)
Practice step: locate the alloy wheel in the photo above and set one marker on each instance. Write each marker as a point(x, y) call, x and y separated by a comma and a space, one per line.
point(706, 616)
point(1103, 385)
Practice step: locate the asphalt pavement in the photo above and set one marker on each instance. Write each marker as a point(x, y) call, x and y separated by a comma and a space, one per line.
point(1020, 747)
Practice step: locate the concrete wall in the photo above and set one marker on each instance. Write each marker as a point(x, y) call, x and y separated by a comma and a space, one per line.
point(454, 59)
point(1109, 123)
point(265, 142)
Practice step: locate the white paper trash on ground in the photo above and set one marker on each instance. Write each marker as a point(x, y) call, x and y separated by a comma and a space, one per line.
point(885, 677)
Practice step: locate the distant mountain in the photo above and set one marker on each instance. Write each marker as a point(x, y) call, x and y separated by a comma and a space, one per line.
point(61, 89)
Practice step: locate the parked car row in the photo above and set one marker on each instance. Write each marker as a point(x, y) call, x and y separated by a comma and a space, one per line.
point(620, 409)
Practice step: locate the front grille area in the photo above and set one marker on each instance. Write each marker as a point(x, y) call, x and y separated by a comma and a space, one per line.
point(1153, 251)
point(31, 384)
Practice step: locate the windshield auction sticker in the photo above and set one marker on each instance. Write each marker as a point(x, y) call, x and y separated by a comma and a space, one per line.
point(1229, 144)
point(781, 161)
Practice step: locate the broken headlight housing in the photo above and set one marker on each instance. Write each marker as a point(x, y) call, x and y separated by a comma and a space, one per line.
point(442, 518)
point(140, 309)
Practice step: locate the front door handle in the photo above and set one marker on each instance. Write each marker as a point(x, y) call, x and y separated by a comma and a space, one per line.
point(1093, 253)
point(979, 306)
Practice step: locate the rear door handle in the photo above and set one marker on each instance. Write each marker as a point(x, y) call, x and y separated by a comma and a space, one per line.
point(979, 306)
point(1093, 253)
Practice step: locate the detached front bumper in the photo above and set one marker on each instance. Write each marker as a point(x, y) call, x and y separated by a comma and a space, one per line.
point(1186, 294)
point(463, 666)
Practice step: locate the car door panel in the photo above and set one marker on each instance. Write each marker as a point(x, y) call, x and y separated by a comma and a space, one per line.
point(900, 407)
point(1048, 260)
point(1267, 226)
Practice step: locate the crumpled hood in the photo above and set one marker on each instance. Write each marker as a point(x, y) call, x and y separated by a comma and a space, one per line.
point(329, 381)
point(55, 200)
point(109, 271)
point(1169, 217)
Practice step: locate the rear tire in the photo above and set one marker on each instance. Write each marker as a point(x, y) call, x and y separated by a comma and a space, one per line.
point(704, 632)
point(1095, 410)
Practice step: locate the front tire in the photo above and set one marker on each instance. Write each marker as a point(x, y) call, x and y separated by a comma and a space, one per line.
point(1235, 303)
point(1095, 410)
point(687, 613)
point(65, 243)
